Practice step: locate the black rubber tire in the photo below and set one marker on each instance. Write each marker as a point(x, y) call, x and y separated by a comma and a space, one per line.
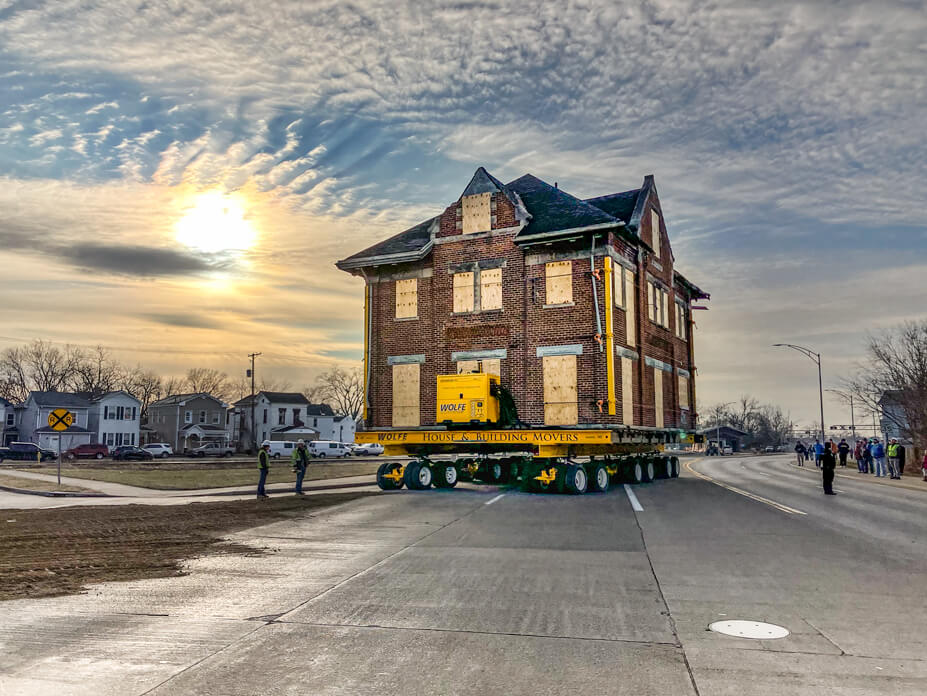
point(664, 468)
point(649, 470)
point(496, 472)
point(415, 477)
point(384, 483)
point(165, 455)
point(575, 481)
point(676, 467)
point(598, 480)
point(321, 455)
point(446, 476)
point(99, 455)
point(276, 456)
point(635, 473)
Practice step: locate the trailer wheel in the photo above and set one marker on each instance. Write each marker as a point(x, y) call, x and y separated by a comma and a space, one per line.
point(636, 471)
point(446, 476)
point(599, 481)
point(675, 462)
point(388, 484)
point(417, 476)
point(649, 473)
point(665, 468)
point(576, 481)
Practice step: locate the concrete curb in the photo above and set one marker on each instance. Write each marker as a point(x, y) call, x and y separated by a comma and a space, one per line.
point(56, 494)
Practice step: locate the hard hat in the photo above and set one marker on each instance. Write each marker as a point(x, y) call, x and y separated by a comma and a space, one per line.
point(266, 443)
point(300, 442)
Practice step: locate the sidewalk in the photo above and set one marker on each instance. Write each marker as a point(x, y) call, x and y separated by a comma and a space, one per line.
point(121, 490)
point(909, 480)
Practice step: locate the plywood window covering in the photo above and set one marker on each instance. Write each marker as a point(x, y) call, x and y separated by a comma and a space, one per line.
point(657, 304)
point(658, 397)
point(664, 308)
point(467, 367)
point(490, 366)
point(406, 394)
point(650, 301)
point(477, 216)
point(407, 298)
point(491, 288)
point(560, 399)
point(683, 392)
point(681, 321)
point(630, 305)
point(559, 281)
point(655, 235)
point(627, 391)
point(463, 292)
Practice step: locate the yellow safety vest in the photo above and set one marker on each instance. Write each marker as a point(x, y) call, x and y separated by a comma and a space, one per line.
point(893, 450)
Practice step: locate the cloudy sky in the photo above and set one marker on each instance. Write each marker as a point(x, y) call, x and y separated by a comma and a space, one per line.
point(787, 141)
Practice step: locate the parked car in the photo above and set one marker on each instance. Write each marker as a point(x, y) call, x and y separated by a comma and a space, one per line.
point(159, 449)
point(127, 452)
point(213, 449)
point(727, 449)
point(328, 448)
point(373, 449)
point(94, 451)
point(26, 452)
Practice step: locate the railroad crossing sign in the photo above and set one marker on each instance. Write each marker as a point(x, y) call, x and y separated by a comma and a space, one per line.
point(60, 419)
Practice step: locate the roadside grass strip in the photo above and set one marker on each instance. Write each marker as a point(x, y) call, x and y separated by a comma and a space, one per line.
point(747, 494)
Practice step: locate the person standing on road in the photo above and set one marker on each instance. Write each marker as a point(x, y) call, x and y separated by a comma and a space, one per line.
point(818, 451)
point(924, 466)
point(893, 471)
point(300, 460)
point(828, 464)
point(867, 458)
point(858, 456)
point(263, 467)
point(800, 452)
point(878, 457)
point(843, 449)
point(901, 456)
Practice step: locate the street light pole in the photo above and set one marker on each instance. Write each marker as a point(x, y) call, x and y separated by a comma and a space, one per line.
point(848, 397)
point(816, 357)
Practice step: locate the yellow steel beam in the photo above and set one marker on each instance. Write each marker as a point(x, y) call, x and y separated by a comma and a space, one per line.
point(609, 338)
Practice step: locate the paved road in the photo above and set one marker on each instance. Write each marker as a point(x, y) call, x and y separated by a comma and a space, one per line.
point(466, 592)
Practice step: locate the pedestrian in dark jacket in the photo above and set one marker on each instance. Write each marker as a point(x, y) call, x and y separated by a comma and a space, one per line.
point(800, 452)
point(901, 455)
point(263, 468)
point(843, 449)
point(828, 464)
point(300, 461)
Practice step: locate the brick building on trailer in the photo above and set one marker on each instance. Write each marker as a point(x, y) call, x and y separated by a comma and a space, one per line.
point(574, 303)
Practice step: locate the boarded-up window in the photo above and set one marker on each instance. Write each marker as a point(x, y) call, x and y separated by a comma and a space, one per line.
point(650, 301)
point(491, 288)
point(560, 400)
point(466, 367)
point(655, 236)
point(627, 391)
point(682, 321)
point(630, 305)
point(463, 292)
point(477, 216)
point(406, 298)
point(658, 397)
point(490, 366)
point(559, 282)
point(683, 392)
point(664, 308)
point(406, 395)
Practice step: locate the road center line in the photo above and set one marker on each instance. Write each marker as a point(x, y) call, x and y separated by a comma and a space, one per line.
point(635, 503)
point(740, 491)
point(490, 502)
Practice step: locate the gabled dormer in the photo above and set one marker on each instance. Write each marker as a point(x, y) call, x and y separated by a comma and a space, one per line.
point(485, 205)
point(647, 220)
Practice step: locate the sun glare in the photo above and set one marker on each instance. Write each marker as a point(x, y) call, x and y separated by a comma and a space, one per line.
point(215, 223)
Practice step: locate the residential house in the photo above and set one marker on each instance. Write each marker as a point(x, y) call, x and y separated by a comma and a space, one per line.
point(279, 416)
point(186, 421)
point(8, 430)
point(330, 426)
point(115, 419)
point(575, 303)
point(33, 424)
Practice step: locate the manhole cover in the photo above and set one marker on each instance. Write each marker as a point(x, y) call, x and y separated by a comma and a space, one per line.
point(749, 629)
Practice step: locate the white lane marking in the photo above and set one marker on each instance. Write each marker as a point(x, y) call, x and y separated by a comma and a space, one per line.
point(635, 503)
point(758, 498)
point(490, 502)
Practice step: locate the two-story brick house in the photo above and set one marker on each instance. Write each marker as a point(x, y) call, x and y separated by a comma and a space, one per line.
point(576, 304)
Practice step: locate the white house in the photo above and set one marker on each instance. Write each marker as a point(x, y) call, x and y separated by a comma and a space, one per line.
point(8, 432)
point(115, 419)
point(330, 426)
point(279, 416)
point(33, 426)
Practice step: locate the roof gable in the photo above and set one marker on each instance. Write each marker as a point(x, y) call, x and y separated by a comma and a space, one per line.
point(554, 210)
point(409, 245)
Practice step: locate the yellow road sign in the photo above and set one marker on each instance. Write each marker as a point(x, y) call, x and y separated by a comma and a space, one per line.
point(60, 419)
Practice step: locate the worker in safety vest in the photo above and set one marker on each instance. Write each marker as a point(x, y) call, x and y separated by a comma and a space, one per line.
point(263, 467)
point(893, 471)
point(300, 461)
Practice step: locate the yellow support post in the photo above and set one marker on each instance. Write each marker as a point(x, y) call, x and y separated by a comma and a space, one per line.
point(609, 337)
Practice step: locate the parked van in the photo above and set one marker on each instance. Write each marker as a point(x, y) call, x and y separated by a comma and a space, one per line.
point(328, 448)
point(278, 449)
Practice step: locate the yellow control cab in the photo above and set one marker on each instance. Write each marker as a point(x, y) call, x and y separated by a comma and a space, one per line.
point(467, 399)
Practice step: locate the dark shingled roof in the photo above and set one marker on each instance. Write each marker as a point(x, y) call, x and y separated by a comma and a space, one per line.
point(59, 399)
point(553, 209)
point(618, 205)
point(411, 240)
point(319, 410)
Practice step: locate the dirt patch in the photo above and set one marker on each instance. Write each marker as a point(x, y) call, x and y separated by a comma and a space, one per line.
point(44, 553)
point(25, 484)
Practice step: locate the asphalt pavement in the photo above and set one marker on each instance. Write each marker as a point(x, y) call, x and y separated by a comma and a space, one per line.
point(480, 590)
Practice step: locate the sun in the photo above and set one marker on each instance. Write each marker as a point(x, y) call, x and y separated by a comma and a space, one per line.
point(215, 223)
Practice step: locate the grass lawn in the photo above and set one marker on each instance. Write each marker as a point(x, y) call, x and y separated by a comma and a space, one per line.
point(31, 485)
point(216, 476)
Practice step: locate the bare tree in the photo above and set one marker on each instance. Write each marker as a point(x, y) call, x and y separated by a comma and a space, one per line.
point(171, 386)
point(95, 372)
point(314, 392)
point(344, 390)
point(37, 366)
point(144, 385)
point(896, 368)
point(207, 380)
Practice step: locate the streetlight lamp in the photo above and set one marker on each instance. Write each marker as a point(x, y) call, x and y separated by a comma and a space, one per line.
point(816, 357)
point(849, 397)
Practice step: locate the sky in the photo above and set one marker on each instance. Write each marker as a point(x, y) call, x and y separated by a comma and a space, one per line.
point(787, 142)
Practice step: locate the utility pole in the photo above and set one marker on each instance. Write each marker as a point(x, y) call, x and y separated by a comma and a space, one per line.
point(816, 357)
point(254, 441)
